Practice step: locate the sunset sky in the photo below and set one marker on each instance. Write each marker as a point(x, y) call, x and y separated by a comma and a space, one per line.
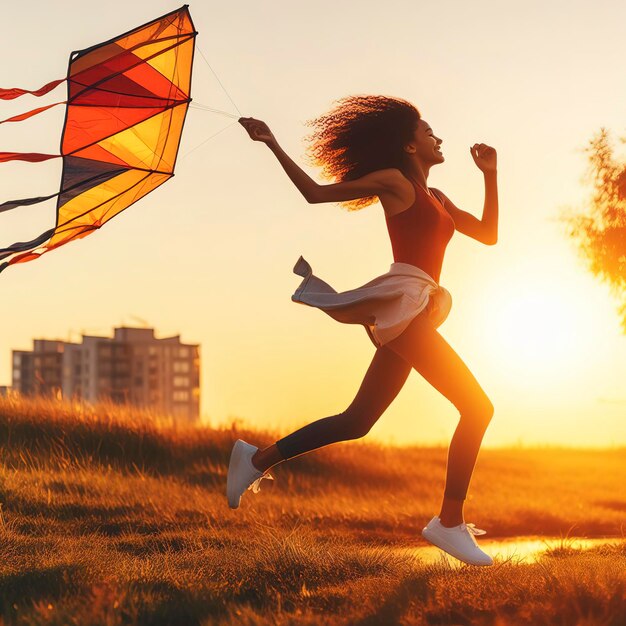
point(210, 254)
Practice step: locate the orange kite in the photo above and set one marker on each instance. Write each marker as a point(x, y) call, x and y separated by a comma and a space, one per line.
point(126, 106)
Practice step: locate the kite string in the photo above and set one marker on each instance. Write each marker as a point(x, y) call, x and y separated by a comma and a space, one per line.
point(208, 139)
point(204, 107)
point(218, 80)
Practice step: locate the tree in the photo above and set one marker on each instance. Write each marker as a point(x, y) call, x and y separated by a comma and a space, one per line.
point(600, 232)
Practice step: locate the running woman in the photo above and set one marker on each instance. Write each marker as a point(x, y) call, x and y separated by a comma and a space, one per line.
point(378, 147)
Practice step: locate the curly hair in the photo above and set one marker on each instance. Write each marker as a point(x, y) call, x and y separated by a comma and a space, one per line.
point(359, 135)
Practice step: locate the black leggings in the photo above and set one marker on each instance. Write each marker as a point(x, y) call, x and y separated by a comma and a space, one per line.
point(420, 347)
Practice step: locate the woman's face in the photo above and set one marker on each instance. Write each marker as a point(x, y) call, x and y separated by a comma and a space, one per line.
point(425, 145)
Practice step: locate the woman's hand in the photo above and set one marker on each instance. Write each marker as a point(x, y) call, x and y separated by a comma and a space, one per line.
point(258, 130)
point(485, 157)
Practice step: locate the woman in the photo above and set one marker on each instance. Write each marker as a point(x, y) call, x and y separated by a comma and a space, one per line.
point(378, 147)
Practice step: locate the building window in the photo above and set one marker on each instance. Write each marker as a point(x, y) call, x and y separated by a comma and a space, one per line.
point(181, 367)
point(181, 396)
point(181, 381)
point(183, 353)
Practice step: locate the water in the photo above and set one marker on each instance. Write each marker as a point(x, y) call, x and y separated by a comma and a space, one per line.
point(518, 549)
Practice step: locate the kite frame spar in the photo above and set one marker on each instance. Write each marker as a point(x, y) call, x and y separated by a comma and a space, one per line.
point(116, 166)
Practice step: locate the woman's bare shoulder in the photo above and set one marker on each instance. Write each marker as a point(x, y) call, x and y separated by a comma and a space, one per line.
point(400, 192)
point(392, 175)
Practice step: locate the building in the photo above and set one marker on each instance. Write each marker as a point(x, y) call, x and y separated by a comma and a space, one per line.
point(132, 367)
point(39, 372)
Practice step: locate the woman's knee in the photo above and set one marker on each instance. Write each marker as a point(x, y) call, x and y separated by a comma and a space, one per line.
point(480, 411)
point(487, 411)
point(356, 423)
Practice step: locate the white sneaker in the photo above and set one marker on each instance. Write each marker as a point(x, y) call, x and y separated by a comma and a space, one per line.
point(458, 541)
point(242, 474)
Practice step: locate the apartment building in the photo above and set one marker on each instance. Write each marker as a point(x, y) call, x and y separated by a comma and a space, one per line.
point(132, 367)
point(38, 372)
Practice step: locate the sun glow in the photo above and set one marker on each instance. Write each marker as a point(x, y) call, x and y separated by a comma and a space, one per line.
point(541, 331)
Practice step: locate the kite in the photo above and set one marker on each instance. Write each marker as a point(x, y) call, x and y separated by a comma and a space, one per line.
point(125, 110)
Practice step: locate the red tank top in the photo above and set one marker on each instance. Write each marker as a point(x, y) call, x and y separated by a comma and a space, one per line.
point(419, 235)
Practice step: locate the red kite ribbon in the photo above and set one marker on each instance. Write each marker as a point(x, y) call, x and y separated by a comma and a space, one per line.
point(33, 157)
point(14, 92)
point(25, 116)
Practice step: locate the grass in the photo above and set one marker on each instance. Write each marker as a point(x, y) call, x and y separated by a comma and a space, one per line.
point(116, 517)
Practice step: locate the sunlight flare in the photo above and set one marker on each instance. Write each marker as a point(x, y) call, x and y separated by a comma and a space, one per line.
point(541, 330)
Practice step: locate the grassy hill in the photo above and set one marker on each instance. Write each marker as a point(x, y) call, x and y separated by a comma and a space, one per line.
point(111, 516)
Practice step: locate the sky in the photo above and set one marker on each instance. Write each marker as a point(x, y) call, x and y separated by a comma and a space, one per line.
point(210, 254)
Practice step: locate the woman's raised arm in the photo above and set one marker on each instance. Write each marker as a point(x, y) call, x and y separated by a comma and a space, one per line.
point(373, 184)
point(484, 230)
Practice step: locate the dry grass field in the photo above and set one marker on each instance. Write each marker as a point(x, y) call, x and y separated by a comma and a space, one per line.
point(110, 518)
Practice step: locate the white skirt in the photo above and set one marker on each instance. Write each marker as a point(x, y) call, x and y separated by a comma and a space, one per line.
point(385, 306)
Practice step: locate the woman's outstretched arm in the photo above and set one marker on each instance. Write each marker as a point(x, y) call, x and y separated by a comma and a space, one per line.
point(377, 183)
point(484, 230)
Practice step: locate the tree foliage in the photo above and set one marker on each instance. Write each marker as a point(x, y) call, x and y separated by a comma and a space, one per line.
point(600, 232)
